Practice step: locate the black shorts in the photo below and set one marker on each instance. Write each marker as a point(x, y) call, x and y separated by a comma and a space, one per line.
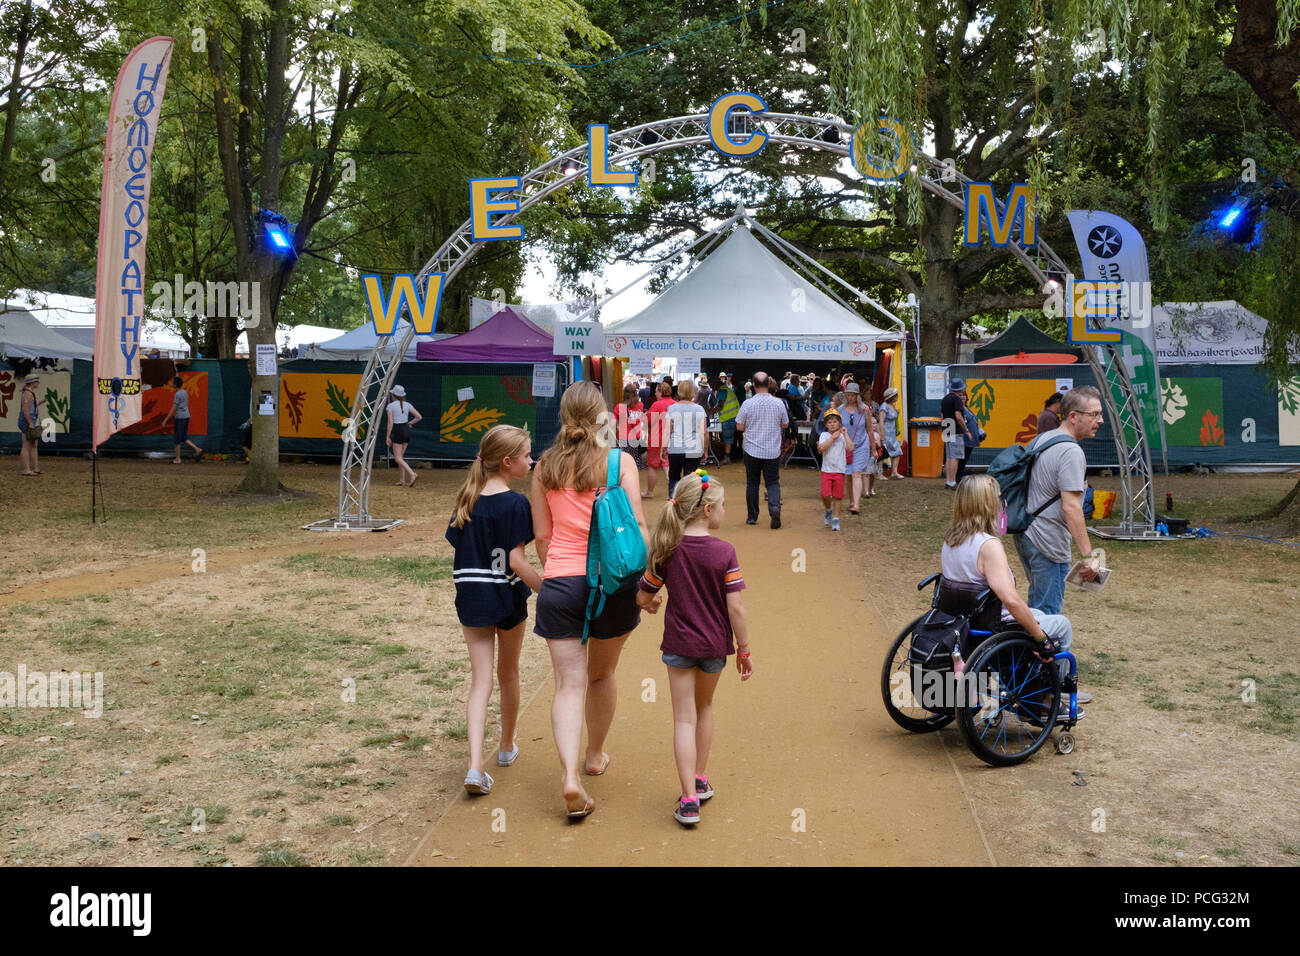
point(180, 430)
point(562, 610)
point(402, 433)
point(509, 622)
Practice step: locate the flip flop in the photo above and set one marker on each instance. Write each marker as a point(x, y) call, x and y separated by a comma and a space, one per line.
point(584, 812)
point(601, 771)
point(854, 511)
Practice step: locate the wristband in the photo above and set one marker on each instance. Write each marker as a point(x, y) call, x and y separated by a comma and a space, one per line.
point(744, 656)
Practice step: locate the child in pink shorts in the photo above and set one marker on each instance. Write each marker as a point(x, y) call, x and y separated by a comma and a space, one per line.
point(835, 446)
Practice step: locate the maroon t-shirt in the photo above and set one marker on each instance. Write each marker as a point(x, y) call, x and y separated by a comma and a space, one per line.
point(699, 575)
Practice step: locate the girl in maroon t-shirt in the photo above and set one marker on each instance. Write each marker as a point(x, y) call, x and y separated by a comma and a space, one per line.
point(704, 579)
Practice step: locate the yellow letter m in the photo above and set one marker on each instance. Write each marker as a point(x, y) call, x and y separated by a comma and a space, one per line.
point(981, 207)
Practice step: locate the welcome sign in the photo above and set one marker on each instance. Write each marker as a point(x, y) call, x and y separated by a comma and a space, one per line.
point(736, 346)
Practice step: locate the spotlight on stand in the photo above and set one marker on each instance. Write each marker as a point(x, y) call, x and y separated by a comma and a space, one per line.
point(279, 234)
point(570, 166)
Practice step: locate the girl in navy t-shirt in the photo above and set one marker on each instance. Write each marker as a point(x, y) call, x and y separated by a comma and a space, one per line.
point(704, 580)
point(489, 529)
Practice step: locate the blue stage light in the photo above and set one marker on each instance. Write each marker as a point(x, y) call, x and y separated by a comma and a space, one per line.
point(277, 237)
point(1233, 214)
point(278, 231)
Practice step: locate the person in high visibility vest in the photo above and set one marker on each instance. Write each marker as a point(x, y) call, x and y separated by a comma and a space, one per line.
point(728, 404)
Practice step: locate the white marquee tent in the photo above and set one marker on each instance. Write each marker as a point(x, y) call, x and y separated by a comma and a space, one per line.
point(22, 335)
point(77, 314)
point(360, 342)
point(742, 301)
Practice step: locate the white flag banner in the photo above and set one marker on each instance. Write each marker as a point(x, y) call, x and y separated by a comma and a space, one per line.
point(123, 235)
point(1112, 250)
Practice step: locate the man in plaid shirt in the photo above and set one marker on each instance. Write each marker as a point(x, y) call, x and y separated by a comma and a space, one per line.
point(763, 419)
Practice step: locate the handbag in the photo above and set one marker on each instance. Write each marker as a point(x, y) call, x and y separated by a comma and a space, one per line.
point(33, 433)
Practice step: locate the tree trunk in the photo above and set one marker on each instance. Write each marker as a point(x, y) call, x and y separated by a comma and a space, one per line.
point(1271, 71)
point(263, 475)
point(1287, 510)
point(940, 295)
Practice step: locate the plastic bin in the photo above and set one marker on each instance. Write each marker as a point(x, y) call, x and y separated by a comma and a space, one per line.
point(926, 447)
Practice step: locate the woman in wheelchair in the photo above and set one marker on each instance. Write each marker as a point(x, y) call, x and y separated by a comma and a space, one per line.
point(973, 559)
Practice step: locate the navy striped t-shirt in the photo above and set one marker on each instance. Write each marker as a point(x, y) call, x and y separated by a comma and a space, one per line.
point(487, 590)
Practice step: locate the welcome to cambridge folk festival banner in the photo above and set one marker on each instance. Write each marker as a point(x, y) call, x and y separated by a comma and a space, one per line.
point(123, 234)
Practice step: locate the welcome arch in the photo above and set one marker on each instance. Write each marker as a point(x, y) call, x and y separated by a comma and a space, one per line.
point(784, 129)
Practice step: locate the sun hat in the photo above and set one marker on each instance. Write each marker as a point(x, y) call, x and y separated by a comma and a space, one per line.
point(835, 412)
point(890, 392)
point(853, 387)
point(399, 391)
point(957, 385)
point(31, 378)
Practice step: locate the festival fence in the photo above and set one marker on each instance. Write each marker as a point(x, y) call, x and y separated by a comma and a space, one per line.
point(1213, 414)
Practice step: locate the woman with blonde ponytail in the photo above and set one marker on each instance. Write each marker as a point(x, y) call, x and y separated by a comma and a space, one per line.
point(489, 529)
point(566, 482)
point(704, 580)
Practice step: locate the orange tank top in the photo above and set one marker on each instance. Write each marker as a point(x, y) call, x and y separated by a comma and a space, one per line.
point(570, 524)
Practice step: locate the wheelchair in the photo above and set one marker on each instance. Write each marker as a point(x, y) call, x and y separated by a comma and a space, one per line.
point(1007, 701)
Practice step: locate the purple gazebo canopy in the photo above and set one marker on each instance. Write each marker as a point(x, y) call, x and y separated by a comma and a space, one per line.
point(506, 337)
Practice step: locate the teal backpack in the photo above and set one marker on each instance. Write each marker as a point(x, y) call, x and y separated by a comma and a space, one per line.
point(616, 552)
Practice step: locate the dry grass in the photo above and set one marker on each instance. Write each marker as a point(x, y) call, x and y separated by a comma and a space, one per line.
point(1179, 768)
point(226, 735)
point(224, 689)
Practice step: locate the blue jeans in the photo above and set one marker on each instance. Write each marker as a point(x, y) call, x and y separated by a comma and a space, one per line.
point(1046, 577)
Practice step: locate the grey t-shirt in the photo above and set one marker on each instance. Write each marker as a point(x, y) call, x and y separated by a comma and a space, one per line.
point(1060, 468)
point(686, 418)
point(181, 404)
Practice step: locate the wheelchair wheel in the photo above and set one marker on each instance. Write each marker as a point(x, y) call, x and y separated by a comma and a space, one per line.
point(1013, 702)
point(896, 688)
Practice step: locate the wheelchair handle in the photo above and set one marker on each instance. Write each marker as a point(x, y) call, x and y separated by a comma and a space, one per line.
point(928, 580)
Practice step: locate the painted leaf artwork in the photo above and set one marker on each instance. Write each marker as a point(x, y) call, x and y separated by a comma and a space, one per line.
point(1028, 430)
point(981, 400)
point(1007, 408)
point(1193, 410)
point(315, 404)
point(55, 389)
point(1288, 411)
point(157, 402)
point(1211, 432)
point(497, 400)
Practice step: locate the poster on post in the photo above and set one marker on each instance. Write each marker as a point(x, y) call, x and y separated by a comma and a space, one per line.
point(936, 382)
point(543, 381)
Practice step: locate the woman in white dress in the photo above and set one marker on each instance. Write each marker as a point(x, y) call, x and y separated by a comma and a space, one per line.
point(401, 416)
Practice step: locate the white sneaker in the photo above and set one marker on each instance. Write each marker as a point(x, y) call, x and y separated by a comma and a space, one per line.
point(828, 517)
point(835, 524)
point(478, 782)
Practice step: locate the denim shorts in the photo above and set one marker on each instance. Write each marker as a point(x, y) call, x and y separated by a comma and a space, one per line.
point(710, 665)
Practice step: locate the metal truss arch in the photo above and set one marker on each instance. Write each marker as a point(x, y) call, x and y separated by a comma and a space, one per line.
point(631, 144)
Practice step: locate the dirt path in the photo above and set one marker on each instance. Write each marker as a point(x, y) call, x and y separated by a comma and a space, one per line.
point(804, 739)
